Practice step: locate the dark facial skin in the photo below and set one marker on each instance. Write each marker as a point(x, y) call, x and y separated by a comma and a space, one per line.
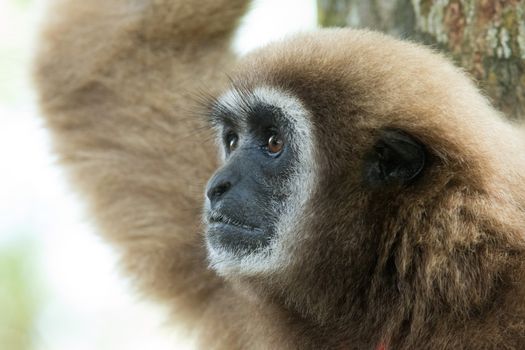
point(246, 194)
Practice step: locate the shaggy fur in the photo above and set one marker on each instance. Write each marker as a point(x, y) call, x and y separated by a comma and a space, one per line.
point(436, 264)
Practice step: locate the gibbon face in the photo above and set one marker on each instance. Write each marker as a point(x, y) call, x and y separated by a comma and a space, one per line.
point(265, 141)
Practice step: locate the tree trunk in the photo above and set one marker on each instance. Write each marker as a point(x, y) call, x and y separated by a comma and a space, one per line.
point(486, 37)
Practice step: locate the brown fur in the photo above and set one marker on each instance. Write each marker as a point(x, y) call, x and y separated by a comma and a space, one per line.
point(435, 265)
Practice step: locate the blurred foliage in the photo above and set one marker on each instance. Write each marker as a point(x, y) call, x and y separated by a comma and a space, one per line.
point(19, 295)
point(22, 3)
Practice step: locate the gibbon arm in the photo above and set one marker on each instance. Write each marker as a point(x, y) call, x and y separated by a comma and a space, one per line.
point(116, 81)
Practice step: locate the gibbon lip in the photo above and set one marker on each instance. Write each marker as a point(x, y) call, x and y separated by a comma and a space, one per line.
point(220, 218)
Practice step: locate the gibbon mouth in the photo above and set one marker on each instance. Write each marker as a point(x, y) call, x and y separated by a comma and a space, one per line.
point(216, 218)
point(234, 235)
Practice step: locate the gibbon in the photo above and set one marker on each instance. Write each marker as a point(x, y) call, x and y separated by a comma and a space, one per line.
point(336, 190)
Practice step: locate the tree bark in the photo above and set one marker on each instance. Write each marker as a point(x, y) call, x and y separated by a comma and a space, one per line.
point(485, 37)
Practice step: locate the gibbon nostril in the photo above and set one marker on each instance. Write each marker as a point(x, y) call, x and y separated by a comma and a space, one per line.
point(217, 190)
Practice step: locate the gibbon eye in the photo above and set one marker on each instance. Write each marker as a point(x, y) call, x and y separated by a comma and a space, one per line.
point(275, 144)
point(231, 141)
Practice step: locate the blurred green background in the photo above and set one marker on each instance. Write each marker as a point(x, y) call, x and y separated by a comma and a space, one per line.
point(20, 294)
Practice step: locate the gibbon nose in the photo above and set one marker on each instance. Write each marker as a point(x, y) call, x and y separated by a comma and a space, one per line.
point(221, 183)
point(216, 190)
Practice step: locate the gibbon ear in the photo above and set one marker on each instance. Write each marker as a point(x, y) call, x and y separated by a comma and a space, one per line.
point(396, 158)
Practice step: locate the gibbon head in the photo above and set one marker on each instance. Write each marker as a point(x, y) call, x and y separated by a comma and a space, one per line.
point(353, 162)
